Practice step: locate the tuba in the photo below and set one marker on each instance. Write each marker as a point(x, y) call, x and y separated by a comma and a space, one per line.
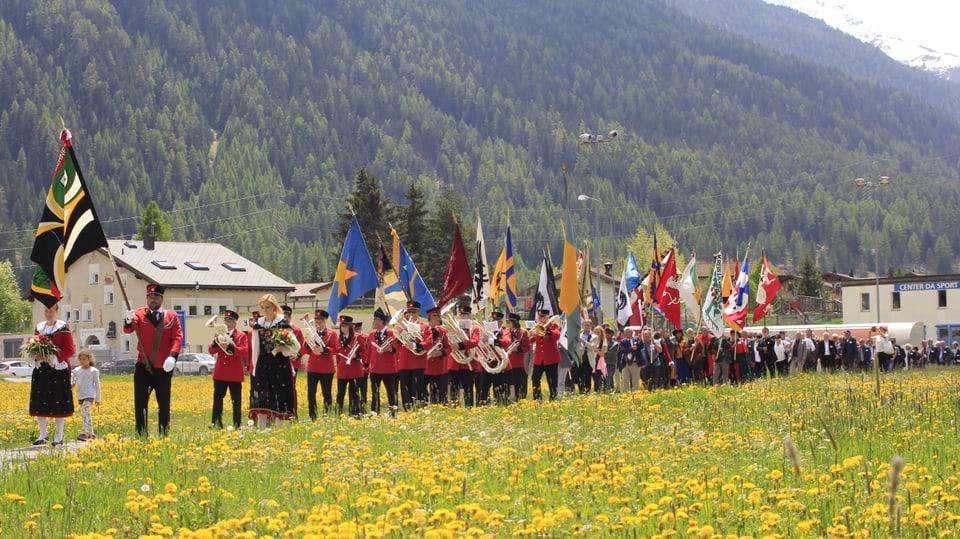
point(220, 333)
point(457, 334)
point(310, 334)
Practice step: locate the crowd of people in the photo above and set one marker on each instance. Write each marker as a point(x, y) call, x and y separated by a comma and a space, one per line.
point(437, 359)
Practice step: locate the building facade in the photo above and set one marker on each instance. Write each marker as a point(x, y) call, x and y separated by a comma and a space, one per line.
point(933, 300)
point(201, 280)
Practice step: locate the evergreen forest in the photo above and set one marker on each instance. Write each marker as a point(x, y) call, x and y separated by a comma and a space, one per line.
point(252, 123)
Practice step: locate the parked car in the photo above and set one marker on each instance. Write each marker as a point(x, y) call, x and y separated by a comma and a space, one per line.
point(193, 363)
point(16, 368)
point(120, 366)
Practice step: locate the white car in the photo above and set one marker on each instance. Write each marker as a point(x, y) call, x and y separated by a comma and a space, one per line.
point(192, 363)
point(16, 368)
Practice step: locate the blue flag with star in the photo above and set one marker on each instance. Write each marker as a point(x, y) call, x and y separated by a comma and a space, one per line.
point(355, 272)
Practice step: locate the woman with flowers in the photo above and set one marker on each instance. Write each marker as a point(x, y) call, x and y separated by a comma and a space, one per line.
point(50, 394)
point(272, 345)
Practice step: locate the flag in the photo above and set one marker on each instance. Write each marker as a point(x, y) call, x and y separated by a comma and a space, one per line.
point(498, 282)
point(689, 286)
point(355, 272)
point(766, 290)
point(456, 276)
point(735, 310)
point(481, 275)
point(509, 279)
point(410, 279)
point(668, 293)
point(69, 227)
point(624, 303)
point(661, 275)
point(726, 286)
point(585, 281)
point(569, 291)
point(633, 273)
point(390, 295)
point(713, 303)
point(653, 276)
point(546, 296)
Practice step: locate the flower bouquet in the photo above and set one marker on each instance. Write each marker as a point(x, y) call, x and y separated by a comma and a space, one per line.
point(285, 342)
point(39, 348)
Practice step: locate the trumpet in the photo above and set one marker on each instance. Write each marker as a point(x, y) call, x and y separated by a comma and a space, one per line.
point(457, 334)
point(386, 343)
point(352, 353)
point(540, 330)
point(408, 337)
point(220, 333)
point(312, 336)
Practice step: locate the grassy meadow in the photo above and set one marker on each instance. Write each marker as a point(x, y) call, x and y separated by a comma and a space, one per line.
point(807, 456)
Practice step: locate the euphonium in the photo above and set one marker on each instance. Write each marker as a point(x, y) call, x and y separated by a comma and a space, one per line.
point(492, 353)
point(220, 333)
point(407, 337)
point(310, 334)
point(457, 335)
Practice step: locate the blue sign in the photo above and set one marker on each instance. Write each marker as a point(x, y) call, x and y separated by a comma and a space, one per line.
point(916, 287)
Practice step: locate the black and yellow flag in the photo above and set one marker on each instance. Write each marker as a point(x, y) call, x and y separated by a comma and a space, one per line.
point(68, 229)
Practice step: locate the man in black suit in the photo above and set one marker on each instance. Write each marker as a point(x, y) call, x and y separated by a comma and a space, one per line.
point(848, 351)
point(827, 353)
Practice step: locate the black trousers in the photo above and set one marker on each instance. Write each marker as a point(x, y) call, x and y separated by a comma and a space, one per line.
point(326, 387)
point(411, 382)
point(159, 382)
point(518, 379)
point(436, 388)
point(220, 388)
point(390, 382)
point(551, 372)
point(351, 386)
point(461, 379)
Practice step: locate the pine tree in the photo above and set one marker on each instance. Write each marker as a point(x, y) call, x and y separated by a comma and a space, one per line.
point(811, 281)
point(153, 216)
point(374, 212)
point(15, 313)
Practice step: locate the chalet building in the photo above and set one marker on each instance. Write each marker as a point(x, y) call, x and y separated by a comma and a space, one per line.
point(201, 280)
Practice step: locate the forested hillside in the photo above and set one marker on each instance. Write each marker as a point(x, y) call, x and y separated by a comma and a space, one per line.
point(249, 121)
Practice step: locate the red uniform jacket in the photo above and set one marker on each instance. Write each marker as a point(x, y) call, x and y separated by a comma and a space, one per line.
point(355, 368)
point(324, 363)
point(384, 362)
point(230, 365)
point(170, 341)
point(364, 352)
point(521, 339)
point(547, 351)
point(471, 342)
point(409, 360)
point(436, 365)
point(295, 361)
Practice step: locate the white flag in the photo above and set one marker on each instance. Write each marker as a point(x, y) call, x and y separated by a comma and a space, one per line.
point(481, 275)
point(624, 301)
point(689, 282)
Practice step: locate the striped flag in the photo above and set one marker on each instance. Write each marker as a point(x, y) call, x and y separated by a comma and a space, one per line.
point(69, 227)
point(569, 290)
point(713, 303)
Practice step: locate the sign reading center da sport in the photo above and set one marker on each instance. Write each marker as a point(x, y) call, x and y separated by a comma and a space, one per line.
point(915, 287)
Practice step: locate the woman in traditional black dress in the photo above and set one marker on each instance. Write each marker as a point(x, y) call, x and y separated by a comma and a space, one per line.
point(272, 387)
point(50, 393)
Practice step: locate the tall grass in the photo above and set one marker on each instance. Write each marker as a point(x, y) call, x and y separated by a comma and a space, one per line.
point(804, 456)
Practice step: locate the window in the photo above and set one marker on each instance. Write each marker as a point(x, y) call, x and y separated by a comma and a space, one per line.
point(111, 330)
point(177, 307)
point(164, 265)
point(192, 311)
point(941, 298)
point(87, 312)
point(865, 302)
point(108, 295)
point(125, 342)
point(207, 310)
point(76, 315)
point(93, 271)
point(895, 301)
point(233, 266)
point(199, 266)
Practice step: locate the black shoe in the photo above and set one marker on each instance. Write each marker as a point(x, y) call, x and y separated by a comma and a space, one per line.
point(57, 442)
point(40, 441)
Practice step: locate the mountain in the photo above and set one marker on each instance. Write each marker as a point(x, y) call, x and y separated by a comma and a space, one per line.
point(249, 122)
point(919, 34)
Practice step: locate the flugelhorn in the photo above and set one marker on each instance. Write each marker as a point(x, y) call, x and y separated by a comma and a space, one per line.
point(383, 346)
point(353, 351)
point(312, 336)
point(220, 333)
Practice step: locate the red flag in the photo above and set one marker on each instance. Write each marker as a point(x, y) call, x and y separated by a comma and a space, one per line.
point(667, 294)
point(457, 277)
point(766, 290)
